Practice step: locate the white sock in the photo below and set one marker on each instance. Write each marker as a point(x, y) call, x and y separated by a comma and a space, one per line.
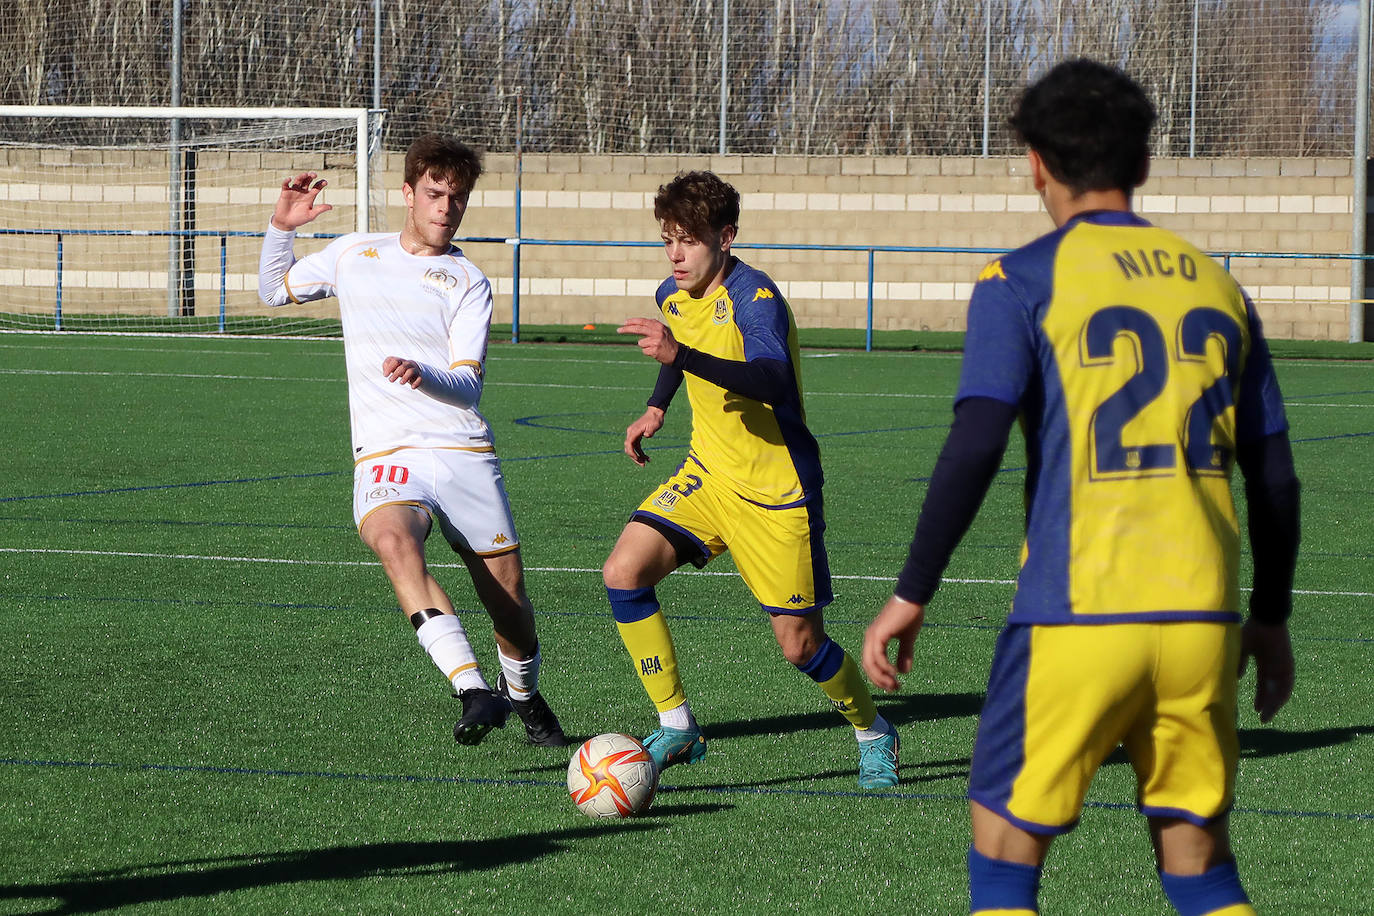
point(522, 677)
point(443, 638)
point(878, 729)
point(679, 717)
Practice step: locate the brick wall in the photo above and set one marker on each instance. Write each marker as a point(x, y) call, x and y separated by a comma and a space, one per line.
point(1254, 205)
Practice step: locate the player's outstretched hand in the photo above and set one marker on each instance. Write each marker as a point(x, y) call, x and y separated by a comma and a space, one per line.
point(655, 338)
point(638, 431)
point(1275, 673)
point(900, 620)
point(296, 206)
point(405, 371)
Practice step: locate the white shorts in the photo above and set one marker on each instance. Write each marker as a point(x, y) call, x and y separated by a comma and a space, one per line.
point(462, 489)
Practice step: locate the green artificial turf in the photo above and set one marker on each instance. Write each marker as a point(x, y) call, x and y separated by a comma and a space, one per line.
point(211, 704)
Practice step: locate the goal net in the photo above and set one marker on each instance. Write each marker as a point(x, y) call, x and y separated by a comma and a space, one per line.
point(151, 219)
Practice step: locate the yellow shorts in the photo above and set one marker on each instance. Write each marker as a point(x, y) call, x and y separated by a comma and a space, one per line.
point(780, 553)
point(1061, 698)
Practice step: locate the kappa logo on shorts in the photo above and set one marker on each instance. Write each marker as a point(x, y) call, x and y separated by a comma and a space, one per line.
point(382, 492)
point(796, 599)
point(500, 539)
point(666, 500)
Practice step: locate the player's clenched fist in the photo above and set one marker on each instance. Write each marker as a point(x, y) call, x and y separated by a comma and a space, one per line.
point(405, 371)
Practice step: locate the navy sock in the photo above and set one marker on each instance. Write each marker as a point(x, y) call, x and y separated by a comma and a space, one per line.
point(995, 884)
point(1194, 895)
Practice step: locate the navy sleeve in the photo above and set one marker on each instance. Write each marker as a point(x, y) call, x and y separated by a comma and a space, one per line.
point(761, 378)
point(999, 343)
point(1272, 503)
point(669, 380)
point(1259, 403)
point(965, 469)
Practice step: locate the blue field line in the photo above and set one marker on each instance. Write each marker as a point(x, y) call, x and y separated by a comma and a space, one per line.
point(169, 486)
point(531, 422)
point(175, 523)
point(199, 602)
point(508, 459)
point(1337, 436)
point(1327, 394)
point(561, 786)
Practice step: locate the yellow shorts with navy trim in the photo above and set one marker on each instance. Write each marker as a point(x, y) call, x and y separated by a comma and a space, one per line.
point(779, 551)
point(1062, 698)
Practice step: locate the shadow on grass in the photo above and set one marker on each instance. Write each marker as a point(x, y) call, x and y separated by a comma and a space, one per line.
point(1257, 743)
point(1270, 742)
point(96, 891)
point(899, 710)
point(909, 773)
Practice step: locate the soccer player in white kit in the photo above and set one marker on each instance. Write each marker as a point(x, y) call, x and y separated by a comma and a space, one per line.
point(416, 314)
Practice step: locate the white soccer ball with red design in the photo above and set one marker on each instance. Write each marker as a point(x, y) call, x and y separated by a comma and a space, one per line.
point(612, 775)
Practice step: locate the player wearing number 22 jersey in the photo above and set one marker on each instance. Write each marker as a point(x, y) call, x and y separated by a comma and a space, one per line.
point(1140, 376)
point(1137, 364)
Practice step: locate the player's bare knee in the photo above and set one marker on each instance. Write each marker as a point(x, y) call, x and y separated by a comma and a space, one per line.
point(395, 548)
point(616, 573)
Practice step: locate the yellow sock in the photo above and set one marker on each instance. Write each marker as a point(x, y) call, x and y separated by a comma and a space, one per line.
point(839, 677)
point(644, 630)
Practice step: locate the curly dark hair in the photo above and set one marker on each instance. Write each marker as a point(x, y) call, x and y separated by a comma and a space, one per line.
point(1090, 124)
point(443, 159)
point(699, 203)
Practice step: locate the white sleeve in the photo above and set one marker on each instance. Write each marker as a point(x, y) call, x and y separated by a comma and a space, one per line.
point(283, 279)
point(460, 386)
point(470, 326)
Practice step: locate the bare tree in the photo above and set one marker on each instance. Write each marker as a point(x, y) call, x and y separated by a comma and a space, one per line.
point(803, 76)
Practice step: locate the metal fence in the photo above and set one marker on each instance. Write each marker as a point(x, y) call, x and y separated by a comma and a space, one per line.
point(900, 77)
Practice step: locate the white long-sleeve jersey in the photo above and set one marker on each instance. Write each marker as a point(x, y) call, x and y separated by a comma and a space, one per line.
point(435, 310)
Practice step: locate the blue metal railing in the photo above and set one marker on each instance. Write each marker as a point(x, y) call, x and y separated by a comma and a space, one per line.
point(870, 251)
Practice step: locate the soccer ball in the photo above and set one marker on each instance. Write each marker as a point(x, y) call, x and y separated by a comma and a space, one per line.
point(612, 775)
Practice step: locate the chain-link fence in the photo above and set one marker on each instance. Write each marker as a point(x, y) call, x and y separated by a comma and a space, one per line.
point(870, 77)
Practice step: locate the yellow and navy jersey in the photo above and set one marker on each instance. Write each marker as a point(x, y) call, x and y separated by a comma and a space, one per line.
point(1137, 364)
point(764, 452)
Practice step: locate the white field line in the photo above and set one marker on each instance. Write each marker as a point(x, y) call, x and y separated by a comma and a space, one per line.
point(285, 561)
point(504, 384)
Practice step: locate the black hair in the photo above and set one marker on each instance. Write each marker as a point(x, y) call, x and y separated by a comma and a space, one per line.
point(1090, 124)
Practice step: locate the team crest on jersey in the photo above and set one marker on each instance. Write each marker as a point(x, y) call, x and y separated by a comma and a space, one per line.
point(992, 271)
point(369, 253)
point(722, 314)
point(439, 281)
point(666, 500)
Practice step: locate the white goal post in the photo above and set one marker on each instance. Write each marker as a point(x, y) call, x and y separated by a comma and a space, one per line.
point(150, 218)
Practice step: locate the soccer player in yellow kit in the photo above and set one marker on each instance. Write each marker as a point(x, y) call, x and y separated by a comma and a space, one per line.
point(1140, 375)
point(751, 481)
